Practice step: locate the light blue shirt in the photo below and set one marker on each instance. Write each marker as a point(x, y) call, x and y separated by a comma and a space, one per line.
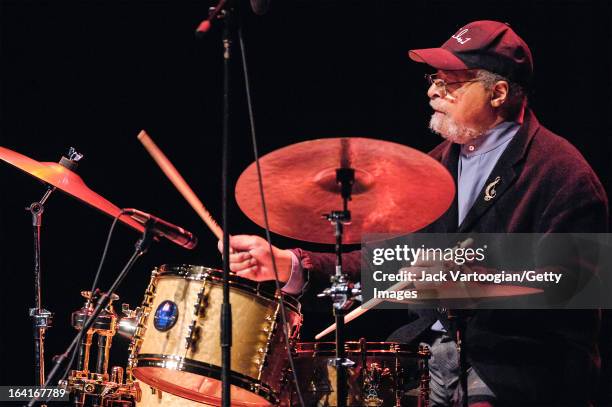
point(476, 161)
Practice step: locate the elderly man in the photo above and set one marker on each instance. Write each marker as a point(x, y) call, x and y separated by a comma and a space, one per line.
point(512, 175)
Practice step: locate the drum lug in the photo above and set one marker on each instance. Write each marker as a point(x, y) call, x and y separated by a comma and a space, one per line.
point(200, 304)
point(193, 334)
point(335, 362)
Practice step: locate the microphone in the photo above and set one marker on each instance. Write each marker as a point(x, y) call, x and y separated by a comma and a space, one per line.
point(160, 227)
point(259, 7)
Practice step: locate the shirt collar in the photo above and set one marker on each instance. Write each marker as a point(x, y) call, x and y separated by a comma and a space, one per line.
point(492, 139)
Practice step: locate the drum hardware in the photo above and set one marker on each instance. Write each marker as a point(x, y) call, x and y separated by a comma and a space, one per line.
point(424, 354)
point(140, 249)
point(271, 330)
point(128, 323)
point(192, 336)
point(105, 327)
point(342, 292)
point(92, 389)
point(374, 374)
point(139, 324)
point(95, 387)
point(193, 332)
point(399, 381)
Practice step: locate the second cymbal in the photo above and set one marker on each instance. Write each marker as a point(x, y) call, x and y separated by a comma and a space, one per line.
point(65, 180)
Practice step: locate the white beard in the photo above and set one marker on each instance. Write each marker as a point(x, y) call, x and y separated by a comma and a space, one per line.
point(451, 130)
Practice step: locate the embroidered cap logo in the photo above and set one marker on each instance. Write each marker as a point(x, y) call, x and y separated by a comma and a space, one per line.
point(458, 37)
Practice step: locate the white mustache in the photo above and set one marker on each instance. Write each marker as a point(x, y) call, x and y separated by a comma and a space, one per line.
point(435, 105)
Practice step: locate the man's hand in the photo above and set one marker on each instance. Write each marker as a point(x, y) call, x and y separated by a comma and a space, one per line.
point(251, 258)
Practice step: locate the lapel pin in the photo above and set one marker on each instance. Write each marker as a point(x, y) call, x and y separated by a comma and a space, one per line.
point(490, 191)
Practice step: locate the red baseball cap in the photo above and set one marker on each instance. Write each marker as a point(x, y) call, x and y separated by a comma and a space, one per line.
point(489, 45)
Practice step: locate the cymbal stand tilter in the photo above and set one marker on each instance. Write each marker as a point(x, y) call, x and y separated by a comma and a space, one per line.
point(342, 292)
point(41, 317)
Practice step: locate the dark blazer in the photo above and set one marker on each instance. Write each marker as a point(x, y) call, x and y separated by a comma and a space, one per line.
point(527, 357)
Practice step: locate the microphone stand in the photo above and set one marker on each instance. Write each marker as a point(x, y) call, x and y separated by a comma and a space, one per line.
point(225, 11)
point(141, 248)
point(226, 308)
point(342, 292)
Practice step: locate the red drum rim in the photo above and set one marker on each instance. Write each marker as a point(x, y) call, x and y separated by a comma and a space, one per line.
point(146, 365)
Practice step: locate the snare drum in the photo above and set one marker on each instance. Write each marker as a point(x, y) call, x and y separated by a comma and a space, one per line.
point(176, 347)
point(382, 375)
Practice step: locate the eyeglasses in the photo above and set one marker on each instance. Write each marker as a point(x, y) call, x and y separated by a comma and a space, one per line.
point(442, 84)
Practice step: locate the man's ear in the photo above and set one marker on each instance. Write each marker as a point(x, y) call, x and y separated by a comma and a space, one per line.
point(499, 93)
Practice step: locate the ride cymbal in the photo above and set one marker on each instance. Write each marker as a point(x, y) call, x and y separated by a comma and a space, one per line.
point(397, 189)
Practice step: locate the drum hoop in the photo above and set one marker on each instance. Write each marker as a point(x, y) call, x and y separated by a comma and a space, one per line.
point(203, 369)
point(198, 273)
point(353, 347)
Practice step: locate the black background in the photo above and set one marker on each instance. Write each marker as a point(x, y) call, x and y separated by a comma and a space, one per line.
point(92, 74)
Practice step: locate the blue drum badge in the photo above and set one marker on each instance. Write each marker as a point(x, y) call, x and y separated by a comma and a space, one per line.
point(165, 316)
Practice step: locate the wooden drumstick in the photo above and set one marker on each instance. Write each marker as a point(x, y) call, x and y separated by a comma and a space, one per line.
point(360, 310)
point(180, 183)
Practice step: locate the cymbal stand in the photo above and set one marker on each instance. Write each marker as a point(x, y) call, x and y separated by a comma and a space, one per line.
point(42, 318)
point(342, 292)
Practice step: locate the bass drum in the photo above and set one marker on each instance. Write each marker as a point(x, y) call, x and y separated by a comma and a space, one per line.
point(176, 347)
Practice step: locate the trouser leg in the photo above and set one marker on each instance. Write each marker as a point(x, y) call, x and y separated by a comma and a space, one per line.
point(444, 371)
